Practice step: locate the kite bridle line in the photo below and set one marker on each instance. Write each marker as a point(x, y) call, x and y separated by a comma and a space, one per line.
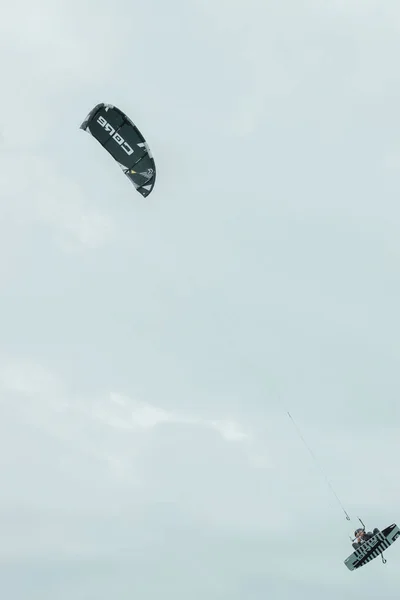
point(319, 466)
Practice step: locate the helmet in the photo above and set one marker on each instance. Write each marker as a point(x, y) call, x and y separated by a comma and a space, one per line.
point(357, 531)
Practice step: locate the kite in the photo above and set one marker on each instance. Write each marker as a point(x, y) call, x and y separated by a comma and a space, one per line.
point(124, 142)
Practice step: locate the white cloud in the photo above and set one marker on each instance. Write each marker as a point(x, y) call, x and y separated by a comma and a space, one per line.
point(229, 431)
point(34, 190)
point(39, 398)
point(27, 379)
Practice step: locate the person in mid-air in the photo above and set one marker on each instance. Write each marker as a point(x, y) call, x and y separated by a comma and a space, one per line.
point(362, 536)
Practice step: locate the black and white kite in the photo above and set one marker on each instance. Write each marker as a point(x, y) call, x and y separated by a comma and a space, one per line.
point(123, 140)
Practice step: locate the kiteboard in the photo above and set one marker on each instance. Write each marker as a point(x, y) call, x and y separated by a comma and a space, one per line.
point(373, 547)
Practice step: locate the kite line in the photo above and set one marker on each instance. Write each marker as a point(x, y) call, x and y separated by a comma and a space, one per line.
point(318, 465)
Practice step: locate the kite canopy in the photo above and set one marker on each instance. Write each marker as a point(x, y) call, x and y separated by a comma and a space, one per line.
point(123, 140)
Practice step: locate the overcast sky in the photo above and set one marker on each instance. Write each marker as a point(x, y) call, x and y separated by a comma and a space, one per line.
point(149, 348)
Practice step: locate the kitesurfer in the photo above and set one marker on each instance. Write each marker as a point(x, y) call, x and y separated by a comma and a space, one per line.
point(362, 536)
